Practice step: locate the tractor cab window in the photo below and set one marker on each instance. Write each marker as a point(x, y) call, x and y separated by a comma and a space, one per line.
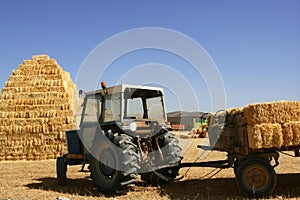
point(134, 109)
point(155, 108)
point(112, 108)
point(92, 109)
point(144, 104)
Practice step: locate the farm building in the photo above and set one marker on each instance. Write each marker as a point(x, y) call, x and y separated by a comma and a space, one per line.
point(186, 121)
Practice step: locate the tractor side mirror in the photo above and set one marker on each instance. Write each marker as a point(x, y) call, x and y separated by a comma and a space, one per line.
point(81, 93)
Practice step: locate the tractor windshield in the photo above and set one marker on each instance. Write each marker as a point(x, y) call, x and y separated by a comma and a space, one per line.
point(144, 104)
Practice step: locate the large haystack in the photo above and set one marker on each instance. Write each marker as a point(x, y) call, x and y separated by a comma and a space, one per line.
point(36, 110)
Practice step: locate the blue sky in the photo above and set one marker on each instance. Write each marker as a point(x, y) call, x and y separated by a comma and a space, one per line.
point(255, 44)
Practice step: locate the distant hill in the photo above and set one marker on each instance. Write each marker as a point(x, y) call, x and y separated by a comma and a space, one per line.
point(184, 113)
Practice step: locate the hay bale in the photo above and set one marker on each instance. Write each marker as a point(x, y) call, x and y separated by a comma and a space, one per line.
point(254, 137)
point(265, 135)
point(287, 134)
point(296, 131)
point(269, 125)
point(37, 99)
point(273, 112)
point(40, 57)
point(276, 120)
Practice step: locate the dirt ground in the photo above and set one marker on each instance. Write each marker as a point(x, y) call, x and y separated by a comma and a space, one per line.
point(37, 180)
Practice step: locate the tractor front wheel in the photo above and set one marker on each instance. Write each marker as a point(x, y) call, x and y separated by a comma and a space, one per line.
point(115, 164)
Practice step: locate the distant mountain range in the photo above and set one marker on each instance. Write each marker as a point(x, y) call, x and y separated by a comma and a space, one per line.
point(184, 113)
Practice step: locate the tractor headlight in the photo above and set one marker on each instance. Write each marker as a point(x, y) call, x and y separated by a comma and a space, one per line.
point(129, 125)
point(133, 126)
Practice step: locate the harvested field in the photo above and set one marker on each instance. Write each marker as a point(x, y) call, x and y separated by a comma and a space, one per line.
point(37, 180)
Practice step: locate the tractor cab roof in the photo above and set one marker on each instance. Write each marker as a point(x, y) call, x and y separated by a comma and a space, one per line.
point(134, 90)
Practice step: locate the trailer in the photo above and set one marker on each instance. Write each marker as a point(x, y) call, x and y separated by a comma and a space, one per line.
point(253, 168)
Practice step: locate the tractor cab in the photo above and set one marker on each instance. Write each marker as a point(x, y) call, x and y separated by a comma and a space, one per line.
point(133, 110)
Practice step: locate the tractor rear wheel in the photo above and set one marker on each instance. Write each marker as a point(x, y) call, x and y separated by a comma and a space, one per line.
point(115, 164)
point(256, 177)
point(61, 171)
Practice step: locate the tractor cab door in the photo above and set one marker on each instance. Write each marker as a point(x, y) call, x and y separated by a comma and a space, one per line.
point(89, 126)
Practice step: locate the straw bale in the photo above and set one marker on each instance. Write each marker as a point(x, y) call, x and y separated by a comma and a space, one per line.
point(2, 156)
point(15, 72)
point(67, 127)
point(22, 108)
point(65, 107)
point(40, 57)
point(50, 141)
point(5, 122)
point(62, 101)
point(287, 134)
point(3, 114)
point(274, 112)
point(277, 140)
point(2, 129)
point(60, 135)
point(23, 67)
point(64, 113)
point(8, 109)
point(34, 114)
point(3, 136)
point(50, 156)
point(265, 135)
point(16, 78)
point(50, 113)
point(37, 121)
point(20, 122)
point(48, 62)
point(30, 62)
point(11, 158)
point(7, 94)
point(48, 135)
point(56, 120)
point(55, 77)
point(254, 137)
point(70, 120)
point(296, 131)
point(3, 103)
point(8, 84)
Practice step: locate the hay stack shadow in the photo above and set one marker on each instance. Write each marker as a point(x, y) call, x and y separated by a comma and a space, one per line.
point(81, 186)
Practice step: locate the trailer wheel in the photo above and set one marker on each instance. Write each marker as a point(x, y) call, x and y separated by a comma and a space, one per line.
point(172, 156)
point(256, 177)
point(114, 168)
point(61, 171)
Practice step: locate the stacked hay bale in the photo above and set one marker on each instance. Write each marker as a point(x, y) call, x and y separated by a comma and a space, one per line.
point(268, 125)
point(202, 131)
point(275, 124)
point(36, 108)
